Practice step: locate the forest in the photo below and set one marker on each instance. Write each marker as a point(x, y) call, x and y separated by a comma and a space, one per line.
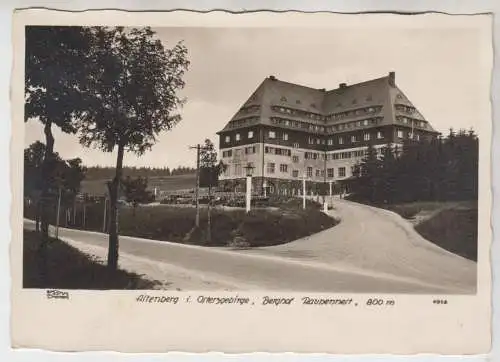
point(440, 169)
point(104, 173)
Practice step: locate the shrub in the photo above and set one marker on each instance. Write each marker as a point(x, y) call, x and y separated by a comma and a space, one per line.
point(172, 223)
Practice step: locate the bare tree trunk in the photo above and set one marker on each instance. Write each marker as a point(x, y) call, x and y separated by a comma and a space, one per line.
point(209, 215)
point(113, 187)
point(46, 170)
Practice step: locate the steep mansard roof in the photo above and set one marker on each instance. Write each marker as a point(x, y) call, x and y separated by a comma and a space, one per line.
point(258, 109)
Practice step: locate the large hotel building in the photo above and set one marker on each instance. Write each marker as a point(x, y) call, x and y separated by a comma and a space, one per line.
point(286, 132)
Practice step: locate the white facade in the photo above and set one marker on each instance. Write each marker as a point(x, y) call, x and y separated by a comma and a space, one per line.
point(291, 163)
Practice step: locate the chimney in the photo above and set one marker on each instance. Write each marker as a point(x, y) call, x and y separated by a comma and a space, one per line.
point(272, 77)
point(342, 85)
point(392, 79)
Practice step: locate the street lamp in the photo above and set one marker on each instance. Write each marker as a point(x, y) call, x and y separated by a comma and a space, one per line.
point(249, 168)
point(304, 191)
point(264, 186)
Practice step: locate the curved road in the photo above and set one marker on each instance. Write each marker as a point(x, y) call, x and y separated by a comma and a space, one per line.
point(371, 250)
point(382, 243)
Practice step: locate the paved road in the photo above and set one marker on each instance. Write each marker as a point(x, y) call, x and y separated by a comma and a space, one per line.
point(368, 252)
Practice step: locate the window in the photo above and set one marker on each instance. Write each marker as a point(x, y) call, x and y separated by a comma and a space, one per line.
point(238, 137)
point(295, 159)
point(296, 145)
point(227, 170)
point(309, 172)
point(341, 171)
point(318, 172)
point(353, 138)
point(237, 152)
point(310, 140)
point(272, 134)
point(250, 134)
point(283, 99)
point(318, 141)
point(283, 168)
point(295, 173)
point(297, 101)
point(341, 141)
point(400, 134)
point(365, 122)
point(366, 136)
point(237, 169)
point(329, 172)
point(285, 136)
point(270, 168)
point(380, 135)
point(330, 142)
point(228, 139)
point(228, 153)
point(249, 150)
point(417, 136)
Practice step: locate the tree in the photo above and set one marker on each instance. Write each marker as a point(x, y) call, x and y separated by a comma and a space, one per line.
point(367, 175)
point(136, 191)
point(135, 87)
point(210, 172)
point(65, 175)
point(55, 73)
point(33, 160)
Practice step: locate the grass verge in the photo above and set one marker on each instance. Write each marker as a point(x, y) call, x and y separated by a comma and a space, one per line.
point(60, 266)
point(453, 229)
point(260, 227)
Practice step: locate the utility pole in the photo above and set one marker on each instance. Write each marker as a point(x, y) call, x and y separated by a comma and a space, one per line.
point(197, 220)
point(104, 218)
point(58, 210)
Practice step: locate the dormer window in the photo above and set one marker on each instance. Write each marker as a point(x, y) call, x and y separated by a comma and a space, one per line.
point(283, 99)
point(369, 98)
point(313, 105)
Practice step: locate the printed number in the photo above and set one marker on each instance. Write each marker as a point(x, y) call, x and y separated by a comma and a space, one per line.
point(440, 301)
point(375, 302)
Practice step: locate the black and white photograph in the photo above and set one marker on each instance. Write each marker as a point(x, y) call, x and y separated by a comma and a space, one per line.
point(275, 159)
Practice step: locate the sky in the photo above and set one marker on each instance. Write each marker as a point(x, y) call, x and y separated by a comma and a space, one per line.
point(440, 69)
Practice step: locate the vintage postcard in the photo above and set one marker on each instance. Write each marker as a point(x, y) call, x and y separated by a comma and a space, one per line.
point(275, 182)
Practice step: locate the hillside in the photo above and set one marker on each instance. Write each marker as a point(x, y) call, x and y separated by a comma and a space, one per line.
point(163, 183)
